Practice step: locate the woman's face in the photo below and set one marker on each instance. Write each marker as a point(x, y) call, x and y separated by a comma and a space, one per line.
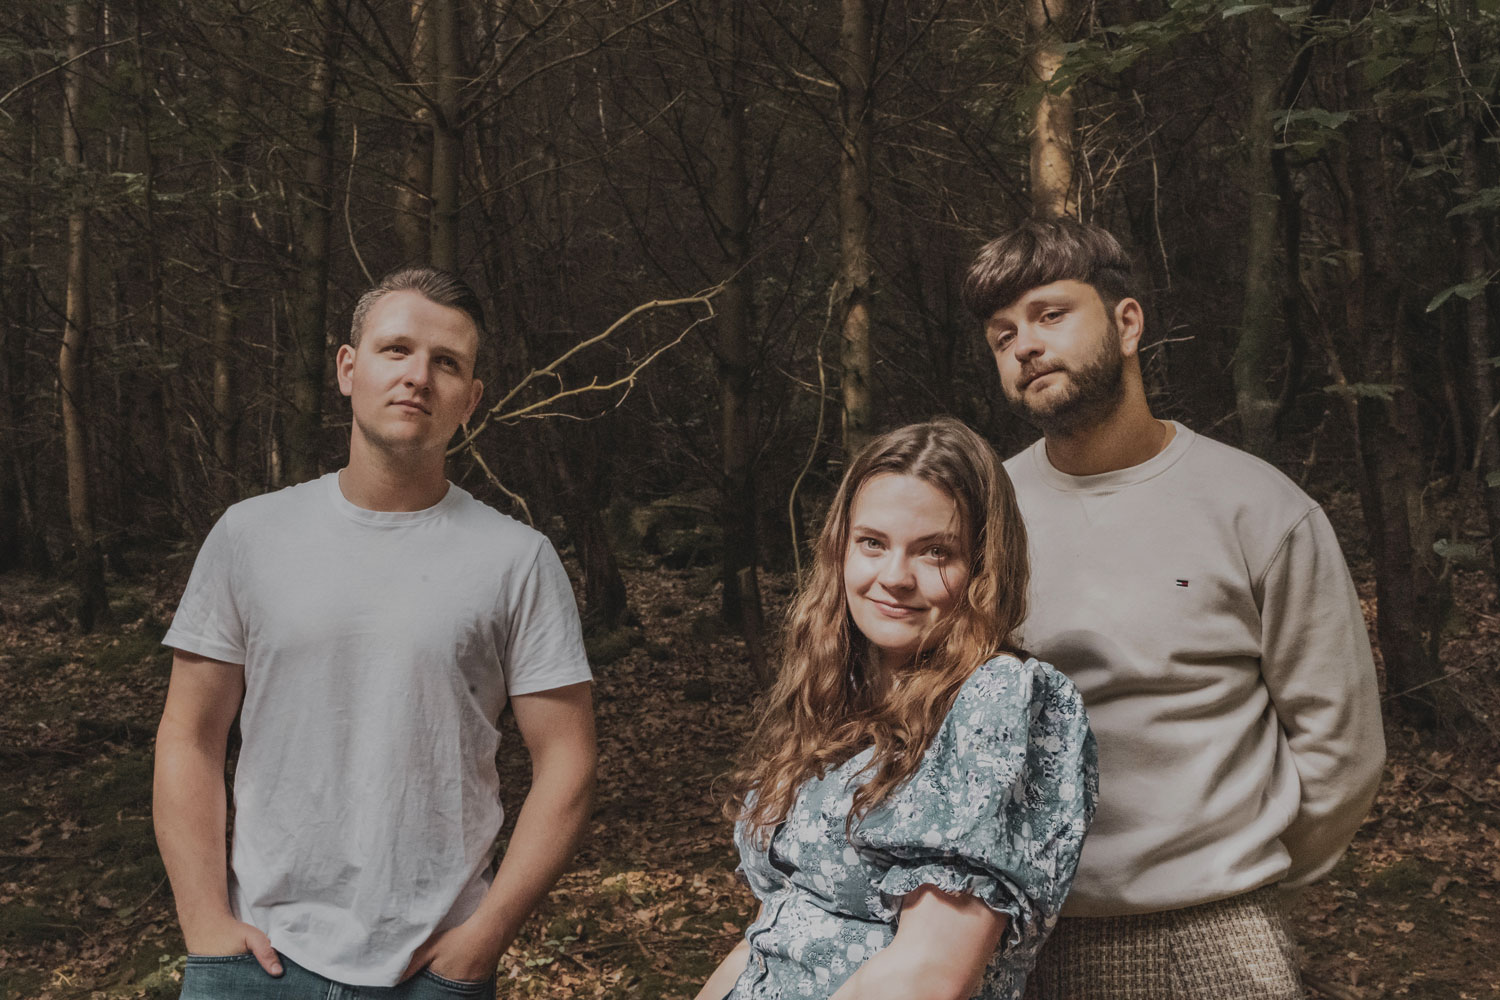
point(905, 565)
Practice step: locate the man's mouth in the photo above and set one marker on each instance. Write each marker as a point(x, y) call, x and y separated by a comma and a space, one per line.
point(412, 404)
point(1029, 377)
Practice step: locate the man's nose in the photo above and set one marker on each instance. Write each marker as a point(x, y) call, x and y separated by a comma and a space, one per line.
point(416, 373)
point(1027, 345)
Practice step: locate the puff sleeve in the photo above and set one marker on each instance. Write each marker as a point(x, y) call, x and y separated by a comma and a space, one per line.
point(999, 806)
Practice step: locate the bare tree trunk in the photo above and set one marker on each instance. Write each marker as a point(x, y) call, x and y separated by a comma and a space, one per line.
point(22, 539)
point(1052, 122)
point(93, 605)
point(159, 406)
point(1474, 259)
point(1411, 590)
point(223, 323)
point(1259, 320)
point(413, 197)
point(736, 321)
point(605, 604)
point(313, 216)
point(856, 270)
point(447, 134)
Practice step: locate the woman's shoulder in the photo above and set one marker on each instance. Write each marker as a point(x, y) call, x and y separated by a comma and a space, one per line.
point(1012, 680)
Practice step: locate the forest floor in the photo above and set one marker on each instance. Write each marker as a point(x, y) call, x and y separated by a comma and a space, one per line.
point(652, 901)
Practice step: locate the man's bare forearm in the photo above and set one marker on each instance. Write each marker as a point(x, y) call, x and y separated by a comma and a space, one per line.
point(189, 811)
point(552, 821)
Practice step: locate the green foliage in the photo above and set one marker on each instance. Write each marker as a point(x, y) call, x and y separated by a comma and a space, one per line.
point(1487, 200)
point(1464, 555)
point(1309, 130)
point(1466, 291)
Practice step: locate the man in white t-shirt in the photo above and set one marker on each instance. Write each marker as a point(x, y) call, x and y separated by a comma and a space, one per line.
point(367, 628)
point(1200, 602)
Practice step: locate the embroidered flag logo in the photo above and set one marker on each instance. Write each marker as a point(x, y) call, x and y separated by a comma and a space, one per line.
point(1182, 583)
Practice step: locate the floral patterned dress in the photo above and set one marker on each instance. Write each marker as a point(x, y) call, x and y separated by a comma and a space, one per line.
point(997, 809)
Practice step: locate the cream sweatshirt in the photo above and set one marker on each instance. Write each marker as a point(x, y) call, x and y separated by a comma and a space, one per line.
point(1200, 603)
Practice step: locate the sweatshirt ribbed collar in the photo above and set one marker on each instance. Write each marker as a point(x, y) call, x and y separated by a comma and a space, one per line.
point(1110, 482)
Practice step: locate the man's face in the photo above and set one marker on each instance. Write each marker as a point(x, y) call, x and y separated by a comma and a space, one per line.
point(410, 382)
point(1060, 356)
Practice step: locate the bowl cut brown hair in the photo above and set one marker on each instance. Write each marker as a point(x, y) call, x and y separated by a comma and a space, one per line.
point(1039, 252)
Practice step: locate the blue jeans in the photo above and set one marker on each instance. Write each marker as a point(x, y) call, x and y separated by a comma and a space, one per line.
point(240, 977)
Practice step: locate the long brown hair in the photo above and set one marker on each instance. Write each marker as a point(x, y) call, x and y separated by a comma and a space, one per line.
point(826, 706)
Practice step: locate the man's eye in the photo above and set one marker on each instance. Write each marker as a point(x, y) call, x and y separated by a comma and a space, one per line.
point(937, 552)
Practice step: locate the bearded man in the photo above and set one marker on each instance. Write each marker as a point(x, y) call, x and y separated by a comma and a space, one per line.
point(1200, 602)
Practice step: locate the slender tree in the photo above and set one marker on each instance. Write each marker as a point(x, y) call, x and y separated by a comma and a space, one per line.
point(93, 605)
point(1259, 314)
point(307, 360)
point(414, 193)
point(1052, 119)
point(856, 92)
point(1412, 592)
point(447, 130)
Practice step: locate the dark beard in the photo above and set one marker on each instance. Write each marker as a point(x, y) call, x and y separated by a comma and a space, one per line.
point(1094, 392)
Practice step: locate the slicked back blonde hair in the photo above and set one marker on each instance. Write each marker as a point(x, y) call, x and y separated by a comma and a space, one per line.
point(826, 705)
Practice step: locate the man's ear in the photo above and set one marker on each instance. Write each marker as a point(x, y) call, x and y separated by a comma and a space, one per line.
point(478, 391)
point(343, 367)
point(1130, 324)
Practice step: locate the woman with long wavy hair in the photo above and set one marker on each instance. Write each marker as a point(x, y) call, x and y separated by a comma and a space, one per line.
point(910, 809)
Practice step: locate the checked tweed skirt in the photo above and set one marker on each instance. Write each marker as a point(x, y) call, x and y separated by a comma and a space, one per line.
point(1238, 948)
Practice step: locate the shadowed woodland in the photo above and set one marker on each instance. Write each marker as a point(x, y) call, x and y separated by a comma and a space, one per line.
point(719, 245)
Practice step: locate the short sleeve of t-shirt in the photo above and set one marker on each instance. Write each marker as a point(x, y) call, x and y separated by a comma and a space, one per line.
point(208, 621)
point(544, 644)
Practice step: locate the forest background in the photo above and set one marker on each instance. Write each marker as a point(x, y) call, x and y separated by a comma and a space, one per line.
point(719, 245)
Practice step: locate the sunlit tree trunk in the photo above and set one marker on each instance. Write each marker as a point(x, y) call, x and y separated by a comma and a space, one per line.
point(1052, 121)
point(1260, 321)
point(312, 221)
point(93, 605)
point(856, 270)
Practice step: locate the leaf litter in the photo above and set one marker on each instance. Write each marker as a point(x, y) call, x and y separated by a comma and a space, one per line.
point(652, 901)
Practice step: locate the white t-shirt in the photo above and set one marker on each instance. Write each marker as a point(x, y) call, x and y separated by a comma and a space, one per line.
point(379, 649)
point(1200, 602)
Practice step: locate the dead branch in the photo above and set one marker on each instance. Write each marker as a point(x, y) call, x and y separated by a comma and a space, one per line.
point(499, 413)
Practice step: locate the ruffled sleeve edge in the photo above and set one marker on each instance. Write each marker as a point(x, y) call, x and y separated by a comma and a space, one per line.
point(960, 878)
